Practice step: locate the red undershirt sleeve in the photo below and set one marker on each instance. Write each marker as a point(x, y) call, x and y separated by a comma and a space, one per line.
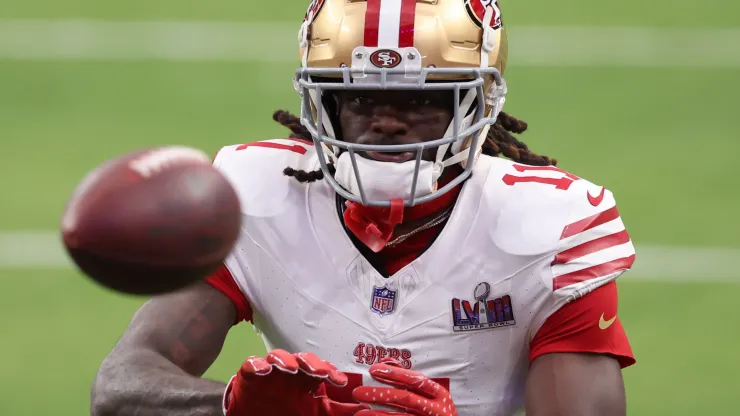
point(222, 280)
point(586, 325)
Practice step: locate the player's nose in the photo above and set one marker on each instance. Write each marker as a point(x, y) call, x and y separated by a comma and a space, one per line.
point(388, 122)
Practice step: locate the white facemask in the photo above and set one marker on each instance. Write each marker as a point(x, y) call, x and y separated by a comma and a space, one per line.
point(387, 180)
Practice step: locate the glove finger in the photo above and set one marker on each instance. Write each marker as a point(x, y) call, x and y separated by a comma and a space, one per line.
point(407, 379)
point(391, 361)
point(337, 378)
point(283, 360)
point(312, 365)
point(397, 398)
point(255, 366)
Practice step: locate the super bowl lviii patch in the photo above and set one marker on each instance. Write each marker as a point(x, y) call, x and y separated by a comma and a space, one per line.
point(483, 313)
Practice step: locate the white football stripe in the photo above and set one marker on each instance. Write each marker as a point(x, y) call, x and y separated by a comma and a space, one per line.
point(594, 259)
point(179, 41)
point(389, 25)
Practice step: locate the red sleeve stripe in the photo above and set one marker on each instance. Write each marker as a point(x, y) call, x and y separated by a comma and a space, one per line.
point(600, 270)
point(222, 280)
point(592, 246)
point(573, 329)
point(294, 148)
point(590, 222)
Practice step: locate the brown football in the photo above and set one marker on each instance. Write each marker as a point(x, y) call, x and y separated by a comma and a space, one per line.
point(152, 221)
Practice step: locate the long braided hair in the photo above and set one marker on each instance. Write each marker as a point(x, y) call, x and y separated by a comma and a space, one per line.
point(499, 141)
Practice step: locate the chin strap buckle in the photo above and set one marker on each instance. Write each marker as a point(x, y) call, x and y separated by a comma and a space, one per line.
point(372, 225)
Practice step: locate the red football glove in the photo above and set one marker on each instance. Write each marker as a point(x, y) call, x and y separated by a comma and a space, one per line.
point(415, 394)
point(284, 384)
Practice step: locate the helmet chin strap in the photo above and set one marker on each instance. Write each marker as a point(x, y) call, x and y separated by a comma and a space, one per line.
point(329, 152)
point(465, 105)
point(458, 148)
point(462, 156)
point(488, 41)
point(328, 127)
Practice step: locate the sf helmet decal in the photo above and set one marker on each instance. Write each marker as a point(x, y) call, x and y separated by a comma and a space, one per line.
point(385, 58)
point(477, 10)
point(313, 10)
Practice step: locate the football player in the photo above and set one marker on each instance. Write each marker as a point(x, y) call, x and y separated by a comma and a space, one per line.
point(402, 251)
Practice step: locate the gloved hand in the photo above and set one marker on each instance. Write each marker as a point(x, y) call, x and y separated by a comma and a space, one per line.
point(284, 384)
point(414, 394)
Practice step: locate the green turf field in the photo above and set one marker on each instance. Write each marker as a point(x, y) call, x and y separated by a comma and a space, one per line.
point(664, 139)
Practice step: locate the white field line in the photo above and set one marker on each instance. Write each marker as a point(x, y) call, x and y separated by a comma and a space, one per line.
point(43, 250)
point(566, 46)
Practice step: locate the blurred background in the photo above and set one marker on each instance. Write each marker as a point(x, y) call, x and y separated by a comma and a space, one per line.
point(638, 96)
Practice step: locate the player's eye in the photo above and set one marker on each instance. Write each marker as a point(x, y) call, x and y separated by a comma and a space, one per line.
point(424, 102)
point(362, 100)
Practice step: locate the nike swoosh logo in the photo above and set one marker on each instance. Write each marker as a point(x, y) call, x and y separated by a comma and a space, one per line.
point(603, 324)
point(595, 201)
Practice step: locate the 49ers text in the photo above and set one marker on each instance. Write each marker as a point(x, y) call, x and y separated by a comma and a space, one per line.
point(370, 354)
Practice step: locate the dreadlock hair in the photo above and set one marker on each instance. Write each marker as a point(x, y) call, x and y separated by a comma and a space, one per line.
point(499, 141)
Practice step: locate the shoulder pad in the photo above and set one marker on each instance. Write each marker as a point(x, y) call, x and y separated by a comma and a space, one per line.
point(530, 204)
point(545, 211)
point(594, 246)
point(256, 171)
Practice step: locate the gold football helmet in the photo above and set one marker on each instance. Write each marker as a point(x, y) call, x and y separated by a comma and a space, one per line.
point(457, 45)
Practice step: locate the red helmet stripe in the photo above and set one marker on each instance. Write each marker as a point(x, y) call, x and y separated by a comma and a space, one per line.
point(372, 22)
point(406, 31)
point(390, 23)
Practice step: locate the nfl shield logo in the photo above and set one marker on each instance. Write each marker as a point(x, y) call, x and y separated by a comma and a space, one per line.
point(383, 301)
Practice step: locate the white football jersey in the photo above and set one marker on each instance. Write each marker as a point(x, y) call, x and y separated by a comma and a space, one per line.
point(521, 242)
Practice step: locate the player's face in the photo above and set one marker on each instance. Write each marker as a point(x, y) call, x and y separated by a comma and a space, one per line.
point(394, 117)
